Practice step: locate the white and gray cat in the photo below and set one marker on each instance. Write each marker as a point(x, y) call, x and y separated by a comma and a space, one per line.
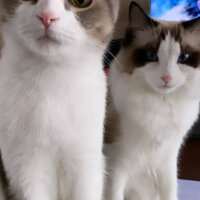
point(154, 101)
point(52, 97)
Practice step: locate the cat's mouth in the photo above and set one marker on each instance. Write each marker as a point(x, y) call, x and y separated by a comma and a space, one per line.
point(166, 88)
point(48, 38)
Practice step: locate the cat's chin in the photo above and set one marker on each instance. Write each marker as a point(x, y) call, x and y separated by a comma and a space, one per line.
point(47, 46)
point(163, 90)
point(48, 40)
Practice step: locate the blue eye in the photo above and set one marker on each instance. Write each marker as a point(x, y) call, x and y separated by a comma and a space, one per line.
point(151, 56)
point(183, 58)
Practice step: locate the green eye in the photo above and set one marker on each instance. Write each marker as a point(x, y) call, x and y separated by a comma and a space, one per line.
point(81, 3)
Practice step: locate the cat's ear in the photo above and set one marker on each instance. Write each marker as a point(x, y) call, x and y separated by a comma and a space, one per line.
point(192, 25)
point(138, 18)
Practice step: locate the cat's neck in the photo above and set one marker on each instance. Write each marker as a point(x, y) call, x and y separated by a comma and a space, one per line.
point(16, 52)
point(54, 76)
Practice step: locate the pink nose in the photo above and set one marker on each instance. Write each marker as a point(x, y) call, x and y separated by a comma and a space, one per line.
point(166, 78)
point(47, 19)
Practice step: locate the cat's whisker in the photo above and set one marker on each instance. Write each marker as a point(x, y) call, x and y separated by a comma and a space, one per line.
point(117, 61)
point(114, 57)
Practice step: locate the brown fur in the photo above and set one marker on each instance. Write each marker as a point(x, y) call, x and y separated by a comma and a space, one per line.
point(111, 122)
point(100, 18)
point(122, 21)
point(137, 41)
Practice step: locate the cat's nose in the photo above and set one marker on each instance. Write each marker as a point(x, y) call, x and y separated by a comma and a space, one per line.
point(47, 19)
point(166, 79)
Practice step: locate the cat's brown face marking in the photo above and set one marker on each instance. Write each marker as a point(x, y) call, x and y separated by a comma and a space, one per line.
point(158, 34)
point(145, 36)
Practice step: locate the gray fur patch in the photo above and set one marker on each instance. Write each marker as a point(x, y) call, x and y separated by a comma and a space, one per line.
point(90, 17)
point(10, 5)
point(99, 19)
point(8, 8)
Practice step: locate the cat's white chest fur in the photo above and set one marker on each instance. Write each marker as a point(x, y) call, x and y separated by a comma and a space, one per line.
point(52, 113)
point(152, 128)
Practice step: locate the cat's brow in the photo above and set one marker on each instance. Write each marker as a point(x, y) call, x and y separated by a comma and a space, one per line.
point(173, 30)
point(152, 46)
point(188, 48)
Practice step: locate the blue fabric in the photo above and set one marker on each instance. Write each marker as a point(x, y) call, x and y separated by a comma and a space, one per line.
point(191, 8)
point(189, 190)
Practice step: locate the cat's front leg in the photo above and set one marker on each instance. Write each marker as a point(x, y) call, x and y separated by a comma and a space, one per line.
point(167, 182)
point(32, 177)
point(89, 180)
point(116, 183)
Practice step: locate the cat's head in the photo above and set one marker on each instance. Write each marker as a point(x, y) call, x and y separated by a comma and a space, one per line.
point(48, 25)
point(166, 55)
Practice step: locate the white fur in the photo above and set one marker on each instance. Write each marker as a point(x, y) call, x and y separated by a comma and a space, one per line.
point(168, 53)
point(153, 122)
point(52, 104)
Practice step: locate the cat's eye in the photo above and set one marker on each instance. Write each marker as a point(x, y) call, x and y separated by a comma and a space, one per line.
point(81, 3)
point(151, 56)
point(183, 58)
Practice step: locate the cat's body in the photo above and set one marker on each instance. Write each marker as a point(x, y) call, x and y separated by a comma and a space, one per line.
point(148, 119)
point(52, 103)
point(145, 154)
point(56, 127)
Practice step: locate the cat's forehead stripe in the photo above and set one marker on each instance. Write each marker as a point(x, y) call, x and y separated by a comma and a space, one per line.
point(173, 30)
point(155, 35)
